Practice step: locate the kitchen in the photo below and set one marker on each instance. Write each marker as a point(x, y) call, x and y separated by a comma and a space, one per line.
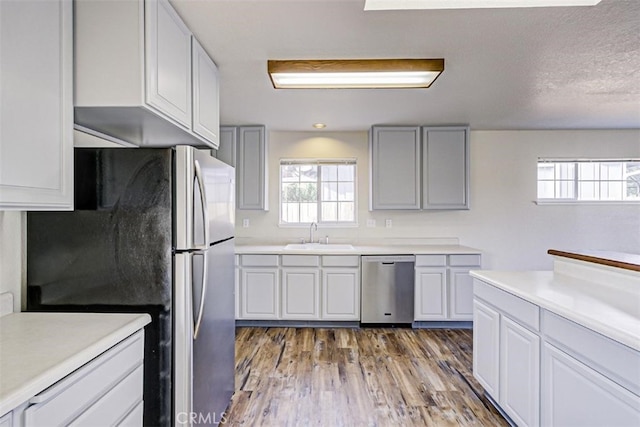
point(504, 222)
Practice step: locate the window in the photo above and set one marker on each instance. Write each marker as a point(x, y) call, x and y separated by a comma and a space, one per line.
point(589, 180)
point(322, 191)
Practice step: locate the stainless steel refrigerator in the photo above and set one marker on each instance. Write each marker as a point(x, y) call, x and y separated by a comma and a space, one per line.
point(152, 231)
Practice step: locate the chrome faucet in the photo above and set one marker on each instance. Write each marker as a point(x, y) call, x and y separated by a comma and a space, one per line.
point(313, 227)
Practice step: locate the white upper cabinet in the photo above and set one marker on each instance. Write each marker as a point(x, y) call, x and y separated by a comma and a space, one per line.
point(36, 110)
point(395, 167)
point(140, 76)
point(419, 168)
point(251, 169)
point(168, 59)
point(206, 95)
point(445, 168)
point(227, 149)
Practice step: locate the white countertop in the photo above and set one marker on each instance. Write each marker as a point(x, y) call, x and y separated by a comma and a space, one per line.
point(39, 349)
point(360, 250)
point(613, 311)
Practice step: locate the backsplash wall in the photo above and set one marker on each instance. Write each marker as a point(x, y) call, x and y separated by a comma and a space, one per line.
point(504, 222)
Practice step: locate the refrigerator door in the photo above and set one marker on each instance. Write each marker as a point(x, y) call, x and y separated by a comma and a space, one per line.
point(214, 346)
point(183, 337)
point(202, 180)
point(204, 363)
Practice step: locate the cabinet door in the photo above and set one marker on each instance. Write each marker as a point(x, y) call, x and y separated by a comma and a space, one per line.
point(227, 148)
point(445, 164)
point(168, 62)
point(573, 394)
point(430, 294)
point(251, 170)
point(206, 100)
point(341, 294)
point(300, 294)
point(395, 168)
point(259, 293)
point(238, 294)
point(486, 347)
point(460, 294)
point(36, 105)
point(519, 373)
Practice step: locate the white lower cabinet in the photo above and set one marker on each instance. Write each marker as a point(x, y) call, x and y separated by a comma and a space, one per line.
point(519, 373)
point(576, 395)
point(506, 362)
point(300, 293)
point(106, 391)
point(460, 294)
point(543, 369)
point(259, 293)
point(6, 420)
point(430, 293)
point(299, 287)
point(443, 287)
point(341, 294)
point(486, 347)
point(237, 291)
point(506, 354)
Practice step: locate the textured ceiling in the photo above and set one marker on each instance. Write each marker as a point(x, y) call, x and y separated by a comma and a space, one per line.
point(537, 68)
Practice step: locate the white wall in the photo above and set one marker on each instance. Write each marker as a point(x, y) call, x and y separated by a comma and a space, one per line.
point(511, 230)
point(11, 255)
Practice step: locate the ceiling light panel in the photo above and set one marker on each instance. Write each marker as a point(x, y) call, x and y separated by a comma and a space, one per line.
point(469, 4)
point(355, 74)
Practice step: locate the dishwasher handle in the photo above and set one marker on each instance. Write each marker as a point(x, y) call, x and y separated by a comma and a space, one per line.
point(389, 259)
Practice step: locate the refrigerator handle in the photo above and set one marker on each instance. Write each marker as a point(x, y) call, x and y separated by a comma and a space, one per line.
point(196, 327)
point(203, 199)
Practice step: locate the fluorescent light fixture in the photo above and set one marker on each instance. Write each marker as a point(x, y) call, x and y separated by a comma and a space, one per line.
point(354, 73)
point(469, 4)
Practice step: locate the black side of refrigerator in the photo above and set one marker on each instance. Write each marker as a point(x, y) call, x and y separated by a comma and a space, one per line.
point(113, 254)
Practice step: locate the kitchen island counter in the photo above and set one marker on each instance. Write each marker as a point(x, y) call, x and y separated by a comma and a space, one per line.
point(39, 349)
point(603, 298)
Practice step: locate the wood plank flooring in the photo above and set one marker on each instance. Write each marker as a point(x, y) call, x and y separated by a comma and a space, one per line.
point(357, 377)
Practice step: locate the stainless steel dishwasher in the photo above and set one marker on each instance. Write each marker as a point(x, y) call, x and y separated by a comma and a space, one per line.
point(387, 289)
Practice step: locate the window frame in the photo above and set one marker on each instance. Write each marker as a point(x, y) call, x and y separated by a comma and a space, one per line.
point(576, 180)
point(319, 162)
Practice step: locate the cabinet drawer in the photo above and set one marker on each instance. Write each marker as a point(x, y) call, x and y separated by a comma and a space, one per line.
point(340, 261)
point(431, 260)
point(259, 260)
point(133, 418)
point(464, 260)
point(69, 397)
point(610, 358)
point(300, 260)
point(116, 404)
point(516, 308)
point(6, 420)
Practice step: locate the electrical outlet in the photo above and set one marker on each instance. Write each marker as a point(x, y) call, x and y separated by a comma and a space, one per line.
point(245, 223)
point(371, 223)
point(388, 223)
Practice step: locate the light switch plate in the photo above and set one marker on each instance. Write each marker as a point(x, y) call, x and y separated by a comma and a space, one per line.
point(388, 223)
point(245, 223)
point(371, 223)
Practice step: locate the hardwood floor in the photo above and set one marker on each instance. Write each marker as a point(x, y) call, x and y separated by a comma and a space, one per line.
point(357, 377)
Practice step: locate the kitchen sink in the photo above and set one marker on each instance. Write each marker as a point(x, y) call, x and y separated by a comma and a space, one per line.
point(318, 247)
